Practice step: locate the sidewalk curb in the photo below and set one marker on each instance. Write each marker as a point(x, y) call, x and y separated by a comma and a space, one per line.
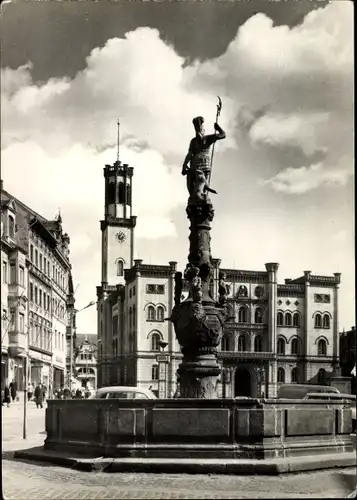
point(191, 466)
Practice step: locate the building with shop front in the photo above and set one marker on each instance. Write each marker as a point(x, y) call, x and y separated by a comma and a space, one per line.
point(85, 361)
point(278, 333)
point(35, 277)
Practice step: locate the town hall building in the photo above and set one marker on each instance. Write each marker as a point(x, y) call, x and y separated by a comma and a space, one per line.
point(278, 333)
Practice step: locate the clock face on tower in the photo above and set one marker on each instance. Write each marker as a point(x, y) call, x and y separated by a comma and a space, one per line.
point(121, 237)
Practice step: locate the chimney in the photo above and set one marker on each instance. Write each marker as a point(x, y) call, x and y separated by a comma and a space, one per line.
point(2, 184)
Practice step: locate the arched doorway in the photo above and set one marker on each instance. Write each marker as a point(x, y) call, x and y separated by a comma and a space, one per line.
point(242, 382)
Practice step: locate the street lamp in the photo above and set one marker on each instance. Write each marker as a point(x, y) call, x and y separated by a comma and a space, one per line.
point(162, 362)
point(73, 326)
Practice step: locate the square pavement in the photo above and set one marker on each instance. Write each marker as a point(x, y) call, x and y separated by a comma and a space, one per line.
point(39, 481)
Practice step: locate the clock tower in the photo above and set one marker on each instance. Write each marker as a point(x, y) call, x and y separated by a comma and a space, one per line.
point(118, 224)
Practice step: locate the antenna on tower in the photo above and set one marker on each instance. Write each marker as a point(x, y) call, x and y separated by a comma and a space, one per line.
point(118, 123)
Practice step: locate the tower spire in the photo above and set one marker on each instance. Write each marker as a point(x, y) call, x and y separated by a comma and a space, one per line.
point(118, 139)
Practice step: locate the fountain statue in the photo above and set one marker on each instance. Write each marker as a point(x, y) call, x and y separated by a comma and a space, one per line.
point(199, 320)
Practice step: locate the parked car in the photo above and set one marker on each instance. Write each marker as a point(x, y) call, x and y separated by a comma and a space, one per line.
point(299, 391)
point(123, 392)
point(350, 398)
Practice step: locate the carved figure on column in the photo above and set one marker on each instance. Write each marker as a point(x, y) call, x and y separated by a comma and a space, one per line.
point(224, 289)
point(178, 288)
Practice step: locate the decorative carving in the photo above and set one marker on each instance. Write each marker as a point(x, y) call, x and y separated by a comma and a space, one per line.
point(242, 291)
point(158, 289)
point(318, 297)
point(224, 289)
point(178, 288)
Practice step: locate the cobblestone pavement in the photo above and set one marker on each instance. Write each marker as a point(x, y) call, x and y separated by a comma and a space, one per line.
point(35, 481)
point(31, 480)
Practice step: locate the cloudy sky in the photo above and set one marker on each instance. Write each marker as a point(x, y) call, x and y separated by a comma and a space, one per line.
point(284, 71)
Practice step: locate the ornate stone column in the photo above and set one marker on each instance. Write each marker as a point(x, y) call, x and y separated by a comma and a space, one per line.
point(199, 320)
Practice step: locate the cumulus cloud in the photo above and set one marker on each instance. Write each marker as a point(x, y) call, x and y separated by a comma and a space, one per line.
point(283, 89)
point(304, 179)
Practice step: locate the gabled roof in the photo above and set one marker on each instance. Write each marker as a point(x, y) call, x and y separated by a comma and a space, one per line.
point(81, 338)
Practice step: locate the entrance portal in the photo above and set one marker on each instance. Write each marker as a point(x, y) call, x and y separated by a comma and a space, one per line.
point(242, 382)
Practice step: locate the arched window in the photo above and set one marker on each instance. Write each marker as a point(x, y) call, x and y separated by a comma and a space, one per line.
point(322, 347)
point(281, 375)
point(151, 313)
point(280, 319)
point(225, 344)
point(296, 320)
point(295, 346)
point(111, 193)
point(120, 268)
point(160, 313)
point(288, 319)
point(242, 291)
point(281, 346)
point(242, 315)
point(258, 315)
point(258, 344)
point(241, 343)
point(128, 195)
point(155, 372)
point(121, 192)
point(294, 375)
point(11, 226)
point(318, 321)
point(155, 339)
point(326, 321)
point(321, 376)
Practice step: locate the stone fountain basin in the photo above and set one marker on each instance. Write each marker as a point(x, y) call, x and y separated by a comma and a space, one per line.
point(191, 428)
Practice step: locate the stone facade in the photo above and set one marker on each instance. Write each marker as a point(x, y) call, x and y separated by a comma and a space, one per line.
point(35, 254)
point(276, 332)
point(85, 360)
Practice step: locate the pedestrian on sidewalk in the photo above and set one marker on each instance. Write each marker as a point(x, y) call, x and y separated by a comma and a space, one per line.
point(30, 390)
point(13, 390)
point(39, 394)
point(7, 395)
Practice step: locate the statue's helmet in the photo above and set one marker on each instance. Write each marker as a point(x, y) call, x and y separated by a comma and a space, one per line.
point(197, 123)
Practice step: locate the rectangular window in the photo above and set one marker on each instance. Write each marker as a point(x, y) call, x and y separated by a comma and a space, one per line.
point(4, 272)
point(41, 262)
point(44, 265)
point(42, 344)
point(22, 276)
point(36, 295)
point(3, 321)
point(36, 258)
point(12, 319)
point(31, 333)
point(40, 298)
point(12, 273)
point(22, 322)
point(31, 292)
point(48, 269)
point(31, 253)
point(159, 289)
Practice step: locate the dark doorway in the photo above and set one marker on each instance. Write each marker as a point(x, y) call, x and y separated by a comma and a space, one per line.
point(242, 382)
